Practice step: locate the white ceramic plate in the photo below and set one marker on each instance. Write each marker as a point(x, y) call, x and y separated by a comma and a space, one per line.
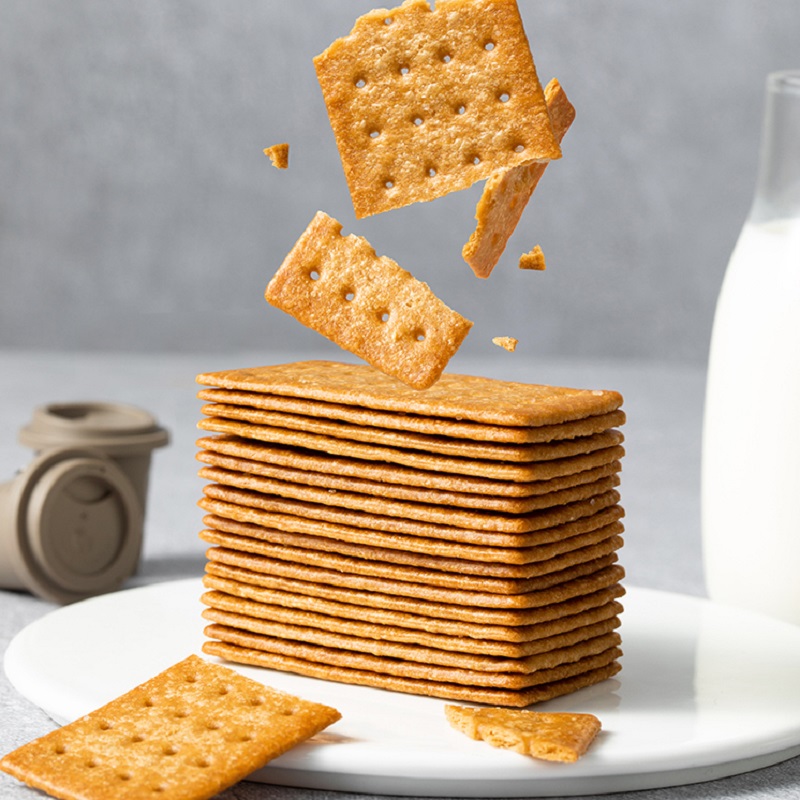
point(706, 691)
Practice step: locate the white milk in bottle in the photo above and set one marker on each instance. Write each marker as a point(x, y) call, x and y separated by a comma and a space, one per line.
point(751, 435)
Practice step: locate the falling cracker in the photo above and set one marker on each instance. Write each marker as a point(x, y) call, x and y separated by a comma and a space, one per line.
point(506, 342)
point(559, 736)
point(425, 102)
point(507, 192)
point(187, 734)
point(278, 155)
point(533, 259)
point(338, 286)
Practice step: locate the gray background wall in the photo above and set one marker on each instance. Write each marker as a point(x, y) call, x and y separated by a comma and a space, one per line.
point(138, 212)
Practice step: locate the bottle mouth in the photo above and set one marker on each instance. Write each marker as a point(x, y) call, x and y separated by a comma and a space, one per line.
point(786, 81)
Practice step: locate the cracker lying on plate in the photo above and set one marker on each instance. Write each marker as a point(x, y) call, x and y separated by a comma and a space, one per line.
point(424, 102)
point(557, 736)
point(187, 734)
point(338, 286)
point(507, 192)
point(278, 155)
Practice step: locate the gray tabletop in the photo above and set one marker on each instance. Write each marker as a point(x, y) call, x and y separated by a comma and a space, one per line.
point(660, 492)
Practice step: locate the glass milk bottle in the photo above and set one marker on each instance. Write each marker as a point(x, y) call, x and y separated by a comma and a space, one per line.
point(751, 437)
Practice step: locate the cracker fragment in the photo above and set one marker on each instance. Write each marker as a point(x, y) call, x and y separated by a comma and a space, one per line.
point(558, 736)
point(507, 192)
point(424, 102)
point(187, 734)
point(506, 342)
point(533, 259)
point(338, 286)
point(278, 155)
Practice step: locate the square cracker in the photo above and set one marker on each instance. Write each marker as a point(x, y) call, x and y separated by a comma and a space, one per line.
point(424, 102)
point(559, 736)
point(187, 734)
point(338, 286)
point(507, 192)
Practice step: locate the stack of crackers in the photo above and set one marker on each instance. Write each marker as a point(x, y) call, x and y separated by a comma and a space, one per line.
point(459, 542)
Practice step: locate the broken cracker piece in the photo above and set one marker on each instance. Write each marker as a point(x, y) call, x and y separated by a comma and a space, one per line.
point(423, 102)
point(507, 192)
point(506, 342)
point(533, 259)
point(338, 286)
point(554, 736)
point(278, 155)
point(187, 734)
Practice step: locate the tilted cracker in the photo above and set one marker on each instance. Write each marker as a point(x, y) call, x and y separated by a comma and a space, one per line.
point(278, 154)
point(251, 613)
point(506, 342)
point(574, 615)
point(507, 192)
point(188, 733)
point(424, 102)
point(428, 424)
point(559, 736)
point(461, 397)
point(533, 259)
point(518, 698)
point(338, 286)
point(582, 469)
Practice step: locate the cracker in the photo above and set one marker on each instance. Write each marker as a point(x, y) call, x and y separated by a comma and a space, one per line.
point(558, 736)
point(506, 342)
point(571, 616)
point(460, 397)
point(338, 286)
point(448, 445)
point(278, 154)
point(580, 469)
point(425, 102)
point(446, 690)
point(258, 617)
point(579, 594)
point(525, 548)
point(584, 548)
point(188, 733)
point(428, 512)
point(420, 494)
point(507, 192)
point(533, 259)
point(554, 458)
point(437, 426)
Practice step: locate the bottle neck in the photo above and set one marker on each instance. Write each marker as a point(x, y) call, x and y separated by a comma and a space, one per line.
point(778, 188)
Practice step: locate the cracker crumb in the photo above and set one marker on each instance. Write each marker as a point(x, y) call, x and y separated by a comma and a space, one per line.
point(533, 259)
point(278, 155)
point(506, 342)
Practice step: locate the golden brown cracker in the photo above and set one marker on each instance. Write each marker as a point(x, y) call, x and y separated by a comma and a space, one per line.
point(190, 732)
point(533, 259)
point(461, 397)
point(258, 617)
point(424, 102)
point(553, 736)
point(575, 471)
point(416, 423)
point(507, 192)
point(506, 342)
point(367, 304)
point(573, 615)
point(278, 154)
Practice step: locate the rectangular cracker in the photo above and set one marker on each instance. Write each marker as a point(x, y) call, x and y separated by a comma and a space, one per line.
point(257, 617)
point(427, 512)
point(552, 736)
point(425, 102)
point(460, 397)
point(446, 690)
point(575, 614)
point(188, 733)
point(416, 423)
point(577, 470)
point(367, 304)
point(507, 192)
